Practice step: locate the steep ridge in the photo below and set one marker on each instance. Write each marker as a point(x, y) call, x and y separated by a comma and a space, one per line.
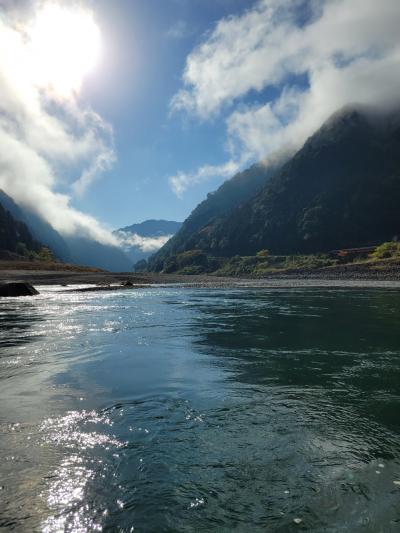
point(342, 189)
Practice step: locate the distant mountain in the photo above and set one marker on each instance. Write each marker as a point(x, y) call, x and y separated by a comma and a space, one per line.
point(341, 189)
point(153, 228)
point(76, 250)
point(141, 240)
point(213, 211)
point(15, 236)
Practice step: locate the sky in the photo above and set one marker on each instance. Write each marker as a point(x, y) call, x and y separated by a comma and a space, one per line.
point(114, 112)
point(148, 42)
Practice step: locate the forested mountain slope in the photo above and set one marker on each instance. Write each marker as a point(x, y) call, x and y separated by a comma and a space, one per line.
point(341, 189)
point(15, 236)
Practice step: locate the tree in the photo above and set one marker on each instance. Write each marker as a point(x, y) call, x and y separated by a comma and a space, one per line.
point(46, 255)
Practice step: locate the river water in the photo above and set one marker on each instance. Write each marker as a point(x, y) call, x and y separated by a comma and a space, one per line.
point(178, 409)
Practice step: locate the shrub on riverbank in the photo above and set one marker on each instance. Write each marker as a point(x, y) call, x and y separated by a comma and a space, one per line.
point(387, 250)
point(196, 262)
point(262, 264)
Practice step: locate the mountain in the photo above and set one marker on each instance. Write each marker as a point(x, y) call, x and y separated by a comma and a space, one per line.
point(40, 229)
point(341, 189)
point(71, 249)
point(15, 236)
point(141, 240)
point(210, 213)
point(153, 228)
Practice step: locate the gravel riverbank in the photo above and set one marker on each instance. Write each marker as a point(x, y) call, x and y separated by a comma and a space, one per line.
point(383, 274)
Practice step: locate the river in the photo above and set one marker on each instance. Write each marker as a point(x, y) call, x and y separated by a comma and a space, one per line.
point(188, 410)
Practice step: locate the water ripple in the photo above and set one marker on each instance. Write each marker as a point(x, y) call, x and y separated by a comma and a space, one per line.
point(201, 410)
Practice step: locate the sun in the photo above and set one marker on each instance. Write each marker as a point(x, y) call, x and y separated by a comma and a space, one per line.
point(64, 45)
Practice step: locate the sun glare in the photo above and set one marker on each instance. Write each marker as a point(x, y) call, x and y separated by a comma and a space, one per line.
point(65, 45)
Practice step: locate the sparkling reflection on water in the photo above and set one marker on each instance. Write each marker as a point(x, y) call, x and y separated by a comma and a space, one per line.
point(170, 409)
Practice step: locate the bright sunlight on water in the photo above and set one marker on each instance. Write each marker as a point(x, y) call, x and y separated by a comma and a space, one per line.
point(168, 409)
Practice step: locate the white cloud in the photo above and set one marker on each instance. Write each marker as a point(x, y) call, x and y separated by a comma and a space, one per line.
point(45, 135)
point(348, 50)
point(181, 181)
point(128, 240)
point(257, 131)
point(101, 162)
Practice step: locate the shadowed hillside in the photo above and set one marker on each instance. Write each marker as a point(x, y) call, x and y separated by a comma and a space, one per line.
point(15, 236)
point(341, 189)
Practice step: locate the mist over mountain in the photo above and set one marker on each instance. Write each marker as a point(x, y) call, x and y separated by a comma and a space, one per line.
point(40, 229)
point(153, 228)
point(141, 240)
point(341, 189)
point(72, 249)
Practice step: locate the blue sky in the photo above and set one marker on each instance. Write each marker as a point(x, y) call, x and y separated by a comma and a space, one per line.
point(185, 94)
point(146, 43)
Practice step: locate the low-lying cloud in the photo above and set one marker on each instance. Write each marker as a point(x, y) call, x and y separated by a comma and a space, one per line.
point(50, 146)
point(128, 240)
point(311, 57)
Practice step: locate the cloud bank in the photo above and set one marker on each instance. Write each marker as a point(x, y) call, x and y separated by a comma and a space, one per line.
point(280, 69)
point(48, 142)
point(128, 240)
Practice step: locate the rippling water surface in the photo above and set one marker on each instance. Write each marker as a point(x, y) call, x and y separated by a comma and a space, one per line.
point(168, 409)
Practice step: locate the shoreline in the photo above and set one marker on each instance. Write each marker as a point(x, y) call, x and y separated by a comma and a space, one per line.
point(106, 281)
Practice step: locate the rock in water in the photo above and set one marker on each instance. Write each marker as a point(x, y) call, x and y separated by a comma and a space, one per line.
point(17, 288)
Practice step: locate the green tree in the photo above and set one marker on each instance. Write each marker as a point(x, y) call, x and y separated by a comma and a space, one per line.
point(46, 255)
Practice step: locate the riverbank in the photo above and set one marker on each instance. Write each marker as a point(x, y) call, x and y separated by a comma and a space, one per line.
point(385, 272)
